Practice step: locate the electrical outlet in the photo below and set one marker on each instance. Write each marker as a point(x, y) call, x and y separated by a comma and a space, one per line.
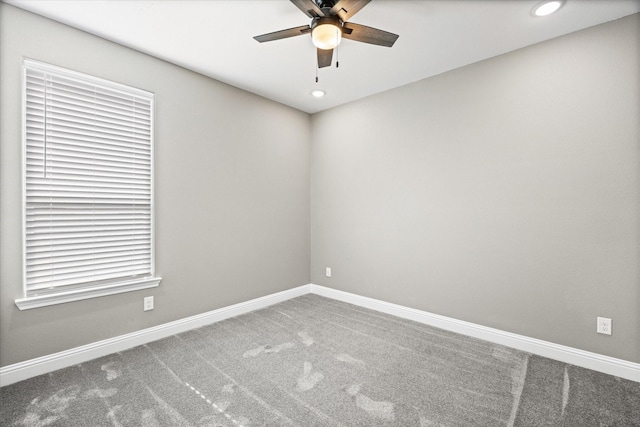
point(328, 272)
point(148, 303)
point(604, 326)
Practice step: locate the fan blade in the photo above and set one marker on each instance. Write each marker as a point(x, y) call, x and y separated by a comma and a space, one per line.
point(283, 34)
point(324, 57)
point(308, 7)
point(345, 9)
point(364, 34)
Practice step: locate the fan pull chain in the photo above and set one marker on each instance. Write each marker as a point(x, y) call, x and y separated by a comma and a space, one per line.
point(316, 71)
point(337, 58)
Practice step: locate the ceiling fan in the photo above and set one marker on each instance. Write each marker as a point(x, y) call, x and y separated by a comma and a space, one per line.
point(328, 26)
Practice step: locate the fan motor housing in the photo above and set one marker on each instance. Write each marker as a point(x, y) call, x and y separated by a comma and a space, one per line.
point(325, 4)
point(332, 20)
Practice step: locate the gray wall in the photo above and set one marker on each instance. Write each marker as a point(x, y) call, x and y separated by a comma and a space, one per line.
point(505, 193)
point(232, 192)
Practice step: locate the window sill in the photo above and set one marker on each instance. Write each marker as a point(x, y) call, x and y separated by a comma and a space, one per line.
point(80, 294)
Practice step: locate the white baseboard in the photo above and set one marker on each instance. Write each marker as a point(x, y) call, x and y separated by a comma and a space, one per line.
point(30, 368)
point(21, 371)
point(597, 362)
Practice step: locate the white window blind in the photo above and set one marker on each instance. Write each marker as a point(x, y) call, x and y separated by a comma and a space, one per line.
point(88, 154)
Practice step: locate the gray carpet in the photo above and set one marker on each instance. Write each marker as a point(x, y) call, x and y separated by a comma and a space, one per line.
point(313, 361)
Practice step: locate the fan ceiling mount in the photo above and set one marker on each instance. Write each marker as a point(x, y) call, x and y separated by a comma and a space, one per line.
point(329, 25)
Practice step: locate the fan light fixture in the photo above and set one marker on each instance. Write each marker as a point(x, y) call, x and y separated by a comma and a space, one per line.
point(547, 8)
point(326, 34)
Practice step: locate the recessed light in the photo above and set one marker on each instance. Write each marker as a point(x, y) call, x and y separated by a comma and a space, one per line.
point(318, 93)
point(547, 7)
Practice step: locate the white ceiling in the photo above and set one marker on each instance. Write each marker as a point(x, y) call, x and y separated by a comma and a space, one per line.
point(215, 38)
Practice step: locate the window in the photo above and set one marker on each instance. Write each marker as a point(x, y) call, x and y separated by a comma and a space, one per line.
point(88, 219)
